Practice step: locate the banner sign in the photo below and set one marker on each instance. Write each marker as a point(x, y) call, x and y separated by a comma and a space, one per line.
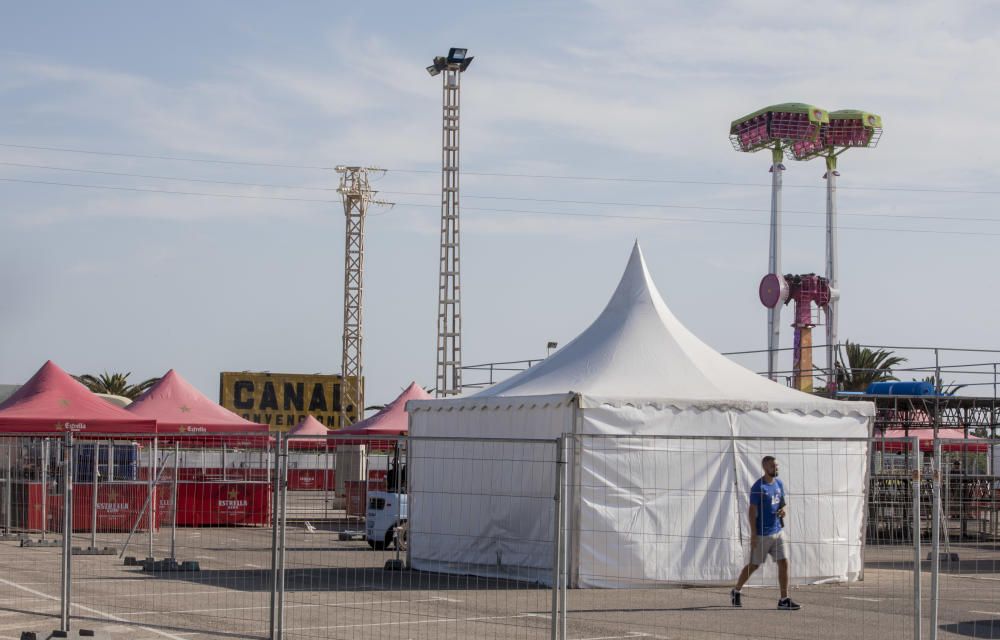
point(282, 400)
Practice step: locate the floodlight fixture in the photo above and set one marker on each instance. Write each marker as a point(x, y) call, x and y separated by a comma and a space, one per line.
point(433, 70)
point(457, 54)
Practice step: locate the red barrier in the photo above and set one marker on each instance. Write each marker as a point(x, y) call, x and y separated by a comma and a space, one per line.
point(222, 503)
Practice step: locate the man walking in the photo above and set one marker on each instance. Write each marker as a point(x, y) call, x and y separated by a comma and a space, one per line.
point(767, 538)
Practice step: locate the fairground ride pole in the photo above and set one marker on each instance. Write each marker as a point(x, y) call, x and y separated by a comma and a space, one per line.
point(831, 270)
point(774, 261)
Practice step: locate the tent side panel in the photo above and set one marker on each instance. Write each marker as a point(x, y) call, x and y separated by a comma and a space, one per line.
point(826, 485)
point(479, 504)
point(656, 510)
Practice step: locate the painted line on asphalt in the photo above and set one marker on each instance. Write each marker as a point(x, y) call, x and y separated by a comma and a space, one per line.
point(413, 622)
point(88, 609)
point(988, 613)
point(630, 634)
point(863, 599)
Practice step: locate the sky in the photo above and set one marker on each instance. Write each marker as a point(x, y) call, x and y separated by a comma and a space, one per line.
point(585, 126)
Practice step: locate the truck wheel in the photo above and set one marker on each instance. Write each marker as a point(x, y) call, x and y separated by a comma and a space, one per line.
point(377, 545)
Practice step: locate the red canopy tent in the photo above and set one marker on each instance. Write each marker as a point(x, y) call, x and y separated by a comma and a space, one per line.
point(208, 495)
point(53, 402)
point(178, 407)
point(392, 420)
point(972, 444)
point(309, 426)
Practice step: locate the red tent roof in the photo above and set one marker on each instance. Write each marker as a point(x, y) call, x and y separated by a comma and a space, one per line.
point(180, 408)
point(309, 426)
point(52, 401)
point(392, 420)
point(956, 440)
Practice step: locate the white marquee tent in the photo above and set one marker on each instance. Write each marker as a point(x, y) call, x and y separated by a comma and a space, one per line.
point(667, 439)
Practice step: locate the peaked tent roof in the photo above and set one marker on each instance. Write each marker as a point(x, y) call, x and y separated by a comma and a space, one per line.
point(310, 426)
point(638, 352)
point(392, 420)
point(180, 408)
point(53, 401)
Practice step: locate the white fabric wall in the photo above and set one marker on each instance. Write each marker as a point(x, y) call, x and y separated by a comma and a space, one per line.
point(483, 507)
point(669, 509)
point(645, 509)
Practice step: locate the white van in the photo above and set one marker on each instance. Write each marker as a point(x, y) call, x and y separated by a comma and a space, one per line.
point(386, 511)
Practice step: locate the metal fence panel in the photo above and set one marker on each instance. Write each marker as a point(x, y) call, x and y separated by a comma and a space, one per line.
point(31, 550)
point(243, 537)
point(352, 575)
point(172, 536)
point(659, 532)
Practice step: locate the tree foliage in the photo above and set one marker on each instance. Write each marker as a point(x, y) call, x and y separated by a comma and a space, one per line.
point(115, 384)
point(863, 365)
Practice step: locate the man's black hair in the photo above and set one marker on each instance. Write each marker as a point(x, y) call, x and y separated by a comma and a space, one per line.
point(766, 460)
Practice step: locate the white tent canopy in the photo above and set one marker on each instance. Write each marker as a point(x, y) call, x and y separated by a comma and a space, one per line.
point(668, 436)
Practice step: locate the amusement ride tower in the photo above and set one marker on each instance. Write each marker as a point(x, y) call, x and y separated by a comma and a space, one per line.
point(846, 129)
point(776, 128)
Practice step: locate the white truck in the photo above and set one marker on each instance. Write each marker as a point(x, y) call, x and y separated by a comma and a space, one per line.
point(387, 512)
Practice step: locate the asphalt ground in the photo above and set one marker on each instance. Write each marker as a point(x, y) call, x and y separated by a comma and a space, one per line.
point(339, 589)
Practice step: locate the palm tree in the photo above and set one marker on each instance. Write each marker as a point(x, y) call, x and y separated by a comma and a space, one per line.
point(115, 384)
point(946, 389)
point(864, 366)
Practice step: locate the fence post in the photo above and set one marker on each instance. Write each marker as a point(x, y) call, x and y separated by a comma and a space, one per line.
point(153, 480)
point(45, 486)
point(67, 546)
point(557, 538)
point(93, 497)
point(283, 495)
point(176, 488)
point(935, 537)
point(275, 517)
point(8, 491)
point(915, 486)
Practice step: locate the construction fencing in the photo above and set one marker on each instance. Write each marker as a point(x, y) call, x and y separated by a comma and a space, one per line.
point(197, 536)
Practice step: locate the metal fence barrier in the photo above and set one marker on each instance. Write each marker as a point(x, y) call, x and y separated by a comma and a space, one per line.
point(243, 536)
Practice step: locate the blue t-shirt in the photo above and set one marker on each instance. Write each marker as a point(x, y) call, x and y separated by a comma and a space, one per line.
point(767, 498)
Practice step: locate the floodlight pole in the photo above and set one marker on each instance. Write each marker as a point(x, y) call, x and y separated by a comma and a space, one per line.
point(831, 269)
point(774, 261)
point(449, 324)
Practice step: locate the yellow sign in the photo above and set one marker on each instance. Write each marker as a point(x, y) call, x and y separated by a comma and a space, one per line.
point(282, 400)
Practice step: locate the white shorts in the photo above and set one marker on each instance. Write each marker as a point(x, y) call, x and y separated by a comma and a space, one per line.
point(773, 546)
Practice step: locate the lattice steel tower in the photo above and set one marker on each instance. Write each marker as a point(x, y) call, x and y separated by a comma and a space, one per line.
point(449, 332)
point(357, 195)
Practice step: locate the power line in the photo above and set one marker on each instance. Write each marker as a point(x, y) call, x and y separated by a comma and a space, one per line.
point(120, 154)
point(493, 197)
point(501, 211)
point(25, 165)
point(496, 174)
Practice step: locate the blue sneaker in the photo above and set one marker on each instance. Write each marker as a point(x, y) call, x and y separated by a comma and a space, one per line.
point(788, 604)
